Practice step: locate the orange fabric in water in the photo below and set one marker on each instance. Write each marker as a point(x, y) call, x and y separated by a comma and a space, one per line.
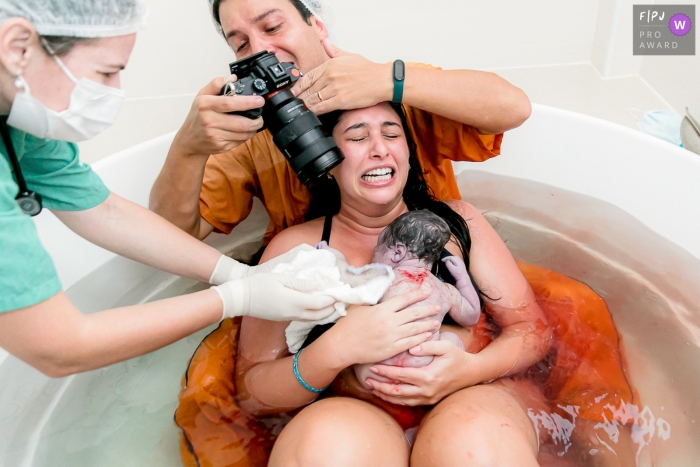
point(214, 429)
point(586, 365)
point(585, 368)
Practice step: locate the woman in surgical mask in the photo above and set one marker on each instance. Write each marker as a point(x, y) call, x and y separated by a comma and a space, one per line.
point(60, 65)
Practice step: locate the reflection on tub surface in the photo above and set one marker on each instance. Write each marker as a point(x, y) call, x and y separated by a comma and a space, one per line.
point(122, 415)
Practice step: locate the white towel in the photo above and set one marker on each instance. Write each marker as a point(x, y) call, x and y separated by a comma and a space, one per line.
point(327, 268)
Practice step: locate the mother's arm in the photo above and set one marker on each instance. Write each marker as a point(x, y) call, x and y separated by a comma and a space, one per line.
point(264, 375)
point(525, 337)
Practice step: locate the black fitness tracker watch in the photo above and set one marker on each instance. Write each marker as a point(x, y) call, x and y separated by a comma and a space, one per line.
point(399, 76)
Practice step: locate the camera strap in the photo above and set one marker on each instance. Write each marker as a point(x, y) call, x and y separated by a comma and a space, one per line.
point(12, 155)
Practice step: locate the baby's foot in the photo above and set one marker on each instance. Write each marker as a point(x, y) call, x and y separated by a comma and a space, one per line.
point(451, 337)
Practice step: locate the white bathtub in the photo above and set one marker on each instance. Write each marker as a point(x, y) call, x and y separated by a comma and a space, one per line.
point(572, 193)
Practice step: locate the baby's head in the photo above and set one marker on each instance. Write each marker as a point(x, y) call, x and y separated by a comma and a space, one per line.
point(415, 235)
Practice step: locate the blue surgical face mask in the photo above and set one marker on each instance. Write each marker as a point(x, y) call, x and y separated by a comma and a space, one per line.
point(664, 124)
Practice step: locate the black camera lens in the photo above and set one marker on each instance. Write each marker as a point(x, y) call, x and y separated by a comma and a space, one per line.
point(297, 132)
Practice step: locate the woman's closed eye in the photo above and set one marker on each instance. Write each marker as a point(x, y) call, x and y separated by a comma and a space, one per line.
point(358, 137)
point(361, 138)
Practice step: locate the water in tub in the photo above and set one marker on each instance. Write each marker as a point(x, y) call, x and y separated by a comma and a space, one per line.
point(123, 414)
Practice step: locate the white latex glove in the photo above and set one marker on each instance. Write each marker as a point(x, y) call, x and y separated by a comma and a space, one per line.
point(228, 269)
point(275, 297)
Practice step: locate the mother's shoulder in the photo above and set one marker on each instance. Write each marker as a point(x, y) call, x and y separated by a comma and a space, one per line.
point(480, 230)
point(308, 232)
point(464, 209)
point(479, 227)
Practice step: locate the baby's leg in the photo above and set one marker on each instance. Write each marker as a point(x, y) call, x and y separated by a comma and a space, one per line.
point(452, 337)
point(362, 372)
point(404, 359)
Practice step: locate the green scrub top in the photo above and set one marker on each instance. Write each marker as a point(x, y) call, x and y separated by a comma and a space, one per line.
point(52, 169)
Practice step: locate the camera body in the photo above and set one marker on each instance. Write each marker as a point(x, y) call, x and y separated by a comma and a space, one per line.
point(296, 131)
point(260, 74)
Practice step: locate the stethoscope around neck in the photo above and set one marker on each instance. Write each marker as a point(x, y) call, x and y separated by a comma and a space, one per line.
point(29, 201)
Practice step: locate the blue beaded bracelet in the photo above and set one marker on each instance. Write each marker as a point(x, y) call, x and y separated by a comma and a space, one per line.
point(300, 379)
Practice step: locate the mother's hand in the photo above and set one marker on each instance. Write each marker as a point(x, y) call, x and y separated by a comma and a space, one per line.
point(452, 369)
point(369, 334)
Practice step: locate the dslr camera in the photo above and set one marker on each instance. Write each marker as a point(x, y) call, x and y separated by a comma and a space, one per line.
point(296, 130)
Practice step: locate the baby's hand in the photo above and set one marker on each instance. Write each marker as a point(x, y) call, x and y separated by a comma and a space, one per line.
point(457, 268)
point(462, 281)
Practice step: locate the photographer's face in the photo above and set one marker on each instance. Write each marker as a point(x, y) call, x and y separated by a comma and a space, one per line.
point(276, 26)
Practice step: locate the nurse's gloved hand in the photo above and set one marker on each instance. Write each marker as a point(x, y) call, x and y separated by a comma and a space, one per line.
point(275, 297)
point(228, 269)
point(287, 257)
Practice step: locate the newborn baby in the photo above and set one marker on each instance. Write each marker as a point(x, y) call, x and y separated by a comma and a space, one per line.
point(410, 246)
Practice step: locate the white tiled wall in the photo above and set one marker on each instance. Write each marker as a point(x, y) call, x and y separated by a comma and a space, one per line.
point(467, 33)
point(677, 78)
point(568, 53)
point(612, 43)
point(176, 55)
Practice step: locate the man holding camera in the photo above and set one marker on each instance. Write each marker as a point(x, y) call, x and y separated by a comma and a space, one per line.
point(219, 162)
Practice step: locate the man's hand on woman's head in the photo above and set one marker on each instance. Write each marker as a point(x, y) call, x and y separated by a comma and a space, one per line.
point(452, 369)
point(346, 81)
point(209, 129)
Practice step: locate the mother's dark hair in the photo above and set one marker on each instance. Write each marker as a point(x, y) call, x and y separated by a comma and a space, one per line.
point(325, 193)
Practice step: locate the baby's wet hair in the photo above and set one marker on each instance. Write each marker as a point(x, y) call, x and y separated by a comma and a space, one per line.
point(423, 233)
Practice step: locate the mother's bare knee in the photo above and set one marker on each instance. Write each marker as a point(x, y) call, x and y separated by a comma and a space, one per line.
point(477, 426)
point(341, 432)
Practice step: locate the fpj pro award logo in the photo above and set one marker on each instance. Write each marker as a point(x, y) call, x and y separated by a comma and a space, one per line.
point(664, 29)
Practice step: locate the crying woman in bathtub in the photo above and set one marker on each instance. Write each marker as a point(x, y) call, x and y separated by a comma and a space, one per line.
point(413, 245)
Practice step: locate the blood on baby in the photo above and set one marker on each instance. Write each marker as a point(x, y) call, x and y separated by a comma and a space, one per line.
point(418, 277)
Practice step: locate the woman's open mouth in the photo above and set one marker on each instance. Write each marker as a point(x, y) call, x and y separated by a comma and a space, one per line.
point(378, 175)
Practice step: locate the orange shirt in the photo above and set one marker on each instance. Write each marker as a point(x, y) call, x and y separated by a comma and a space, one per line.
point(258, 169)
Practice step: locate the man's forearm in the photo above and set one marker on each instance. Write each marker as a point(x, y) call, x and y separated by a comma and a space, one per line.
point(480, 99)
point(175, 193)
